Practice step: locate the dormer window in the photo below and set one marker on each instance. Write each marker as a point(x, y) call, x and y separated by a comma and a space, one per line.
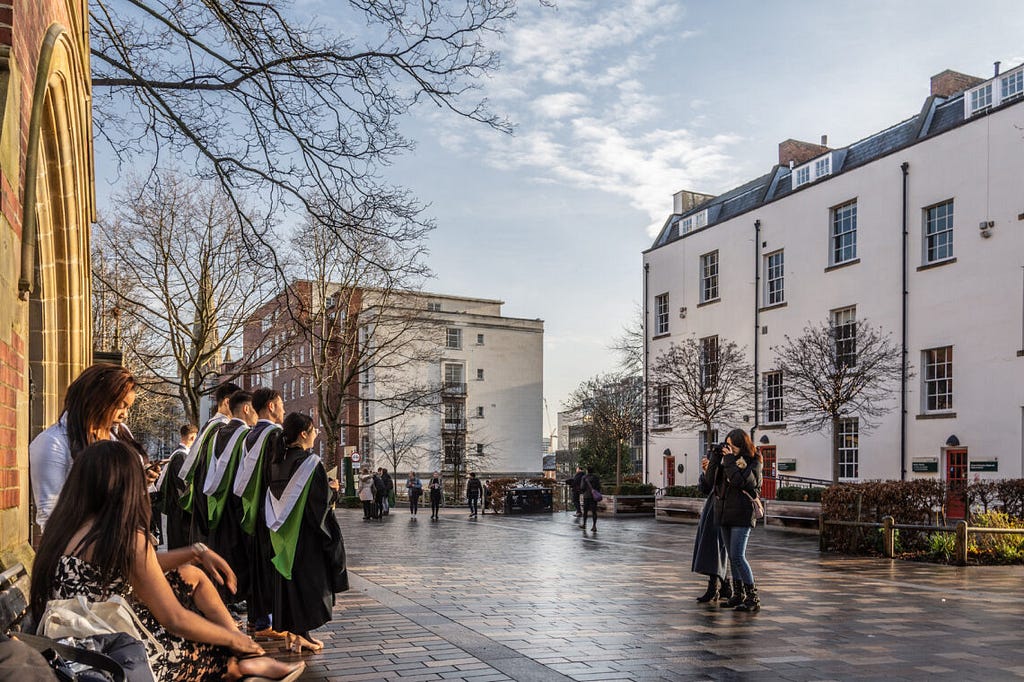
point(993, 92)
point(815, 169)
point(701, 219)
point(685, 225)
point(981, 98)
point(1012, 84)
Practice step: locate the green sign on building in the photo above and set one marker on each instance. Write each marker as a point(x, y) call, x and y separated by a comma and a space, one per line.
point(786, 465)
point(925, 466)
point(984, 465)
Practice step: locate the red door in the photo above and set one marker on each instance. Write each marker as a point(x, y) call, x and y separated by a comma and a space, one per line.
point(670, 470)
point(956, 483)
point(768, 472)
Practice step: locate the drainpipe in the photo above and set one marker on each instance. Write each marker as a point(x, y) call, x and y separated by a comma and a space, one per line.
point(905, 167)
point(647, 430)
point(757, 324)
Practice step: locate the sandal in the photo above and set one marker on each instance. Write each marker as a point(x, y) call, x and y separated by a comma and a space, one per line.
point(270, 633)
point(296, 643)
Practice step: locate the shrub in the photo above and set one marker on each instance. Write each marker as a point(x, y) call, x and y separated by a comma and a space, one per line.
point(941, 546)
point(636, 489)
point(795, 494)
point(683, 491)
point(997, 548)
point(350, 502)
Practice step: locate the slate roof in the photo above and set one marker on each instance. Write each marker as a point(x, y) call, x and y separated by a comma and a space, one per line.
point(937, 116)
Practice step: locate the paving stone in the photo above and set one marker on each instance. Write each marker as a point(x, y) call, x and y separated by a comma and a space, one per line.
point(535, 599)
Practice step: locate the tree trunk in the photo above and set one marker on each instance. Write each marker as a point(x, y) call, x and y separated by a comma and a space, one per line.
point(835, 450)
point(618, 465)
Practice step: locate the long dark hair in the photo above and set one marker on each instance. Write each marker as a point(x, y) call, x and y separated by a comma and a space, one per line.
point(740, 440)
point(92, 399)
point(108, 487)
point(295, 424)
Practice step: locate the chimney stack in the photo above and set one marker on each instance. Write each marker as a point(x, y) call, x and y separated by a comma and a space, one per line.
point(996, 68)
point(824, 140)
point(799, 152)
point(684, 200)
point(948, 83)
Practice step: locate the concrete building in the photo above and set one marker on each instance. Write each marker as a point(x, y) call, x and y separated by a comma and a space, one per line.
point(46, 207)
point(829, 234)
point(475, 376)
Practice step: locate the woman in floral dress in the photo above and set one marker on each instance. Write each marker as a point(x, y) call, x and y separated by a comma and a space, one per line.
point(96, 545)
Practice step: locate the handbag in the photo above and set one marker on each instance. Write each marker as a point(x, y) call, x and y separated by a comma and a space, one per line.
point(758, 505)
point(80, 617)
point(73, 663)
point(596, 495)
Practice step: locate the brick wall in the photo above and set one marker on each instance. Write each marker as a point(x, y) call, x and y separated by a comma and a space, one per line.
point(951, 82)
point(12, 383)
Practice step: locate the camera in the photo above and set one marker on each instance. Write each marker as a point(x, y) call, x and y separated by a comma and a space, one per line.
point(715, 449)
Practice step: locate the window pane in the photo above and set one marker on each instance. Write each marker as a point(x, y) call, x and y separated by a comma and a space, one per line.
point(844, 233)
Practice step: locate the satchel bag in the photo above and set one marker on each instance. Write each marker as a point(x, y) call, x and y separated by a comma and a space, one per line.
point(758, 505)
point(79, 617)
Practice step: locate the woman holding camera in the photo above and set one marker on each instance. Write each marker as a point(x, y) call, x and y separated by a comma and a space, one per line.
point(737, 478)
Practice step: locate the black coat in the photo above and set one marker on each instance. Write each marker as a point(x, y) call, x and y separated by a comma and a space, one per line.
point(576, 482)
point(735, 485)
point(228, 539)
point(474, 488)
point(305, 602)
point(178, 520)
point(261, 589)
point(710, 555)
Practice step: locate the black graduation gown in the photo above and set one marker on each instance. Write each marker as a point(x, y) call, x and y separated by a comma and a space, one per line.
point(304, 603)
point(261, 587)
point(179, 521)
point(228, 539)
point(199, 530)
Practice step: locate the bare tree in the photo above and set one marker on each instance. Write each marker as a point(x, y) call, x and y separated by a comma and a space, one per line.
point(696, 384)
point(629, 346)
point(274, 105)
point(837, 371)
point(613, 406)
point(177, 268)
point(355, 308)
point(402, 442)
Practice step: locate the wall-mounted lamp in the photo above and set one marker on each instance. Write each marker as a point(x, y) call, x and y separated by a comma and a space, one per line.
point(952, 441)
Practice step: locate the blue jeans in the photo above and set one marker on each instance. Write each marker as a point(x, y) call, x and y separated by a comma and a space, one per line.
point(474, 504)
point(735, 537)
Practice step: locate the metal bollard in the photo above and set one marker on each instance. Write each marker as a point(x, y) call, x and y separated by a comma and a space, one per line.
point(961, 543)
point(888, 537)
point(821, 533)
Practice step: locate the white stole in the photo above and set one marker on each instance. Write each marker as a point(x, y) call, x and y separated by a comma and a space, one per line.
point(219, 465)
point(193, 452)
point(279, 509)
point(251, 457)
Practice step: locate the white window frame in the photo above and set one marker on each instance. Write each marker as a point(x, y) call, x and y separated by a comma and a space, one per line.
point(685, 225)
point(937, 375)
point(700, 220)
point(774, 278)
point(849, 448)
point(944, 232)
point(662, 406)
point(450, 334)
point(841, 217)
point(844, 331)
point(1011, 80)
point(774, 405)
point(479, 339)
point(801, 176)
point(710, 356)
point(661, 314)
point(980, 98)
point(822, 166)
point(705, 439)
point(452, 369)
point(709, 268)
point(479, 374)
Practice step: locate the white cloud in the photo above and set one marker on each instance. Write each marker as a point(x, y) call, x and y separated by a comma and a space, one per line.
point(573, 85)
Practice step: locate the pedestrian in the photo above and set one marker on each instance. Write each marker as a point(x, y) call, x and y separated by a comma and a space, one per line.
point(473, 491)
point(736, 488)
point(436, 486)
point(487, 497)
point(575, 488)
point(171, 489)
point(591, 491)
point(366, 492)
point(710, 552)
point(309, 553)
point(95, 547)
point(389, 490)
point(414, 487)
point(379, 492)
point(95, 407)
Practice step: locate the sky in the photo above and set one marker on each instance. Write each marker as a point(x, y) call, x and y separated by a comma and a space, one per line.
point(617, 104)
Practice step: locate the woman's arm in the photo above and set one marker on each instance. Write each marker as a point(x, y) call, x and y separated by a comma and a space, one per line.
point(214, 564)
point(153, 590)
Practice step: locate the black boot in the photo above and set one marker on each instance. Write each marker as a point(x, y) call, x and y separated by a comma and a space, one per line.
point(725, 591)
point(738, 595)
point(712, 592)
point(751, 602)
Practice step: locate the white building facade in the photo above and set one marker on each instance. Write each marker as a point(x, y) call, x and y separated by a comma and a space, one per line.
point(821, 237)
point(490, 372)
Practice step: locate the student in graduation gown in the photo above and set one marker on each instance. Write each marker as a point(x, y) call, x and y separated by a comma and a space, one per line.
point(193, 469)
point(308, 549)
point(251, 483)
point(223, 508)
point(171, 489)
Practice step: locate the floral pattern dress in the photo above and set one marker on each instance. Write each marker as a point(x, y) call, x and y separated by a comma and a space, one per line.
point(182, 659)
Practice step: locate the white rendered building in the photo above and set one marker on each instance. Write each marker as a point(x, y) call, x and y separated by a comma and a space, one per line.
point(821, 236)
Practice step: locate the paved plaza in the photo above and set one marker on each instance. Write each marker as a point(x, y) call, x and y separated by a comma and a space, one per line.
point(535, 598)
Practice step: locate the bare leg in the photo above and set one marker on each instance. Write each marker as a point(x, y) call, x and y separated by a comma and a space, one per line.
point(206, 597)
point(262, 666)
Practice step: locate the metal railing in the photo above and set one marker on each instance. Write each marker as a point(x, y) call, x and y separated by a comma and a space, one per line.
point(785, 480)
point(889, 527)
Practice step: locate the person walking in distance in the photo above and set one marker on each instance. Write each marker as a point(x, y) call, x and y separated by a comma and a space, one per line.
point(575, 485)
point(736, 488)
point(473, 491)
point(591, 490)
point(379, 491)
point(366, 492)
point(389, 490)
point(710, 553)
point(171, 489)
point(436, 487)
point(414, 488)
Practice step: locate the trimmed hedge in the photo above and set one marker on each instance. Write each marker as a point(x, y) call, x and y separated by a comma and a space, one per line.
point(796, 494)
point(683, 491)
point(636, 489)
